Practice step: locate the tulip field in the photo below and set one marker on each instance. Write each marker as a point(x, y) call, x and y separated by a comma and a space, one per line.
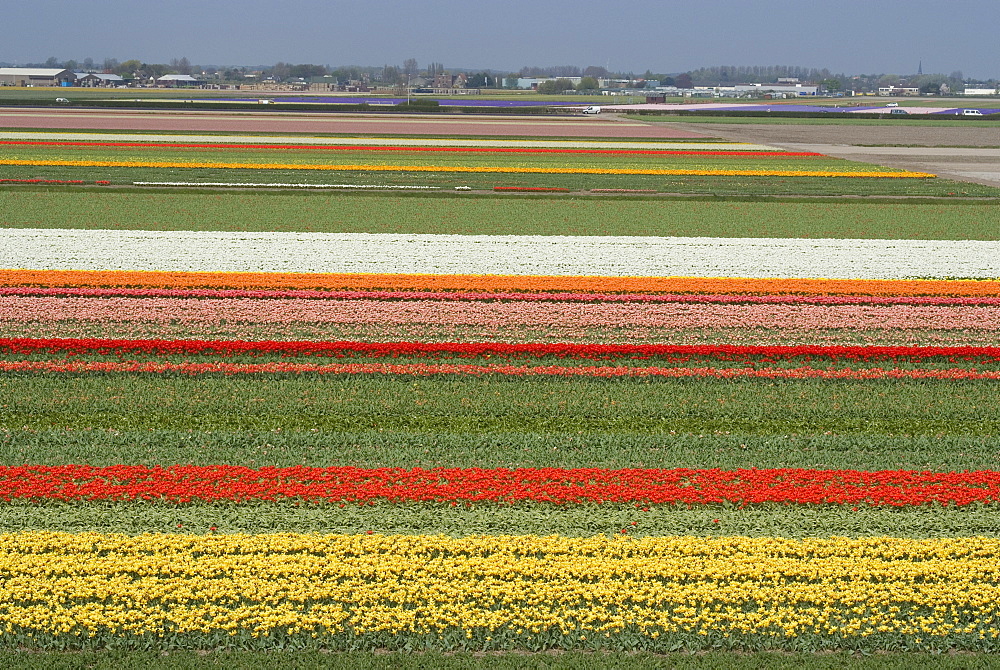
point(327, 434)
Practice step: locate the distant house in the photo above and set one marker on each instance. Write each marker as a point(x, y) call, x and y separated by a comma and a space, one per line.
point(898, 90)
point(98, 79)
point(177, 80)
point(35, 76)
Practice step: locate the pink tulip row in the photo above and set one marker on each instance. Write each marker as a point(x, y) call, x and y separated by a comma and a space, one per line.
point(469, 296)
point(559, 316)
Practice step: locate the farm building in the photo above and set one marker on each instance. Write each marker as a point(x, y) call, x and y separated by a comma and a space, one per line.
point(35, 76)
point(177, 80)
point(97, 79)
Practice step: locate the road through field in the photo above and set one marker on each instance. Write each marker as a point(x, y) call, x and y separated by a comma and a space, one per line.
point(963, 153)
point(338, 123)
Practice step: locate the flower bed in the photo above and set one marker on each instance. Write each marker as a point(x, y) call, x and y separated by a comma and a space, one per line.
point(479, 443)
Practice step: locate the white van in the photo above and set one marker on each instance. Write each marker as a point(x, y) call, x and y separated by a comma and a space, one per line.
point(593, 109)
point(971, 112)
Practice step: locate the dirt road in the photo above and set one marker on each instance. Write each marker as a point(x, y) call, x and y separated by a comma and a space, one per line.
point(962, 153)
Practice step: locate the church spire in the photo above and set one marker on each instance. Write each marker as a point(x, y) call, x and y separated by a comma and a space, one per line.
point(920, 66)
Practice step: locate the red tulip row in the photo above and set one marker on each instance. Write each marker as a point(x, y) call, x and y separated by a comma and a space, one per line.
point(329, 147)
point(474, 349)
point(186, 483)
point(533, 189)
point(425, 369)
point(471, 296)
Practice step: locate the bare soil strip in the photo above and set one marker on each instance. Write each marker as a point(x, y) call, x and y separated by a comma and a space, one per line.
point(519, 126)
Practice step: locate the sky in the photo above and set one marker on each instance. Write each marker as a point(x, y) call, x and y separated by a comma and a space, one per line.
point(664, 36)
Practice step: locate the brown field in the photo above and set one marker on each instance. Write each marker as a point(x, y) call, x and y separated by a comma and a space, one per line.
point(384, 124)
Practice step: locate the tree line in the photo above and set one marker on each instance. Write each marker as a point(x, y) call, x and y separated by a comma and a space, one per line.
point(401, 75)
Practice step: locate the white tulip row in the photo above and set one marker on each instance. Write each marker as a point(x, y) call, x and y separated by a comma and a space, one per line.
point(487, 254)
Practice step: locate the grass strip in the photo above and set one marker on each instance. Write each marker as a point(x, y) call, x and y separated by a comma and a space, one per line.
point(609, 519)
point(502, 449)
point(737, 186)
point(25, 207)
point(456, 405)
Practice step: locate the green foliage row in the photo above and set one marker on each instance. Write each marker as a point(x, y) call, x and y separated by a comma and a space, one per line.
point(461, 520)
point(553, 640)
point(680, 184)
point(453, 404)
point(341, 212)
point(528, 361)
point(382, 448)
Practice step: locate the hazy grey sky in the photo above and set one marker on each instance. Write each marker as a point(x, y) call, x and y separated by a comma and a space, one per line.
point(850, 36)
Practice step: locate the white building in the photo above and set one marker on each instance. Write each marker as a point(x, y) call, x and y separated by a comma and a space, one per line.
point(177, 80)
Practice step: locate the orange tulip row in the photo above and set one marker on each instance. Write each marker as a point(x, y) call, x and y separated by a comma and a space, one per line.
point(497, 283)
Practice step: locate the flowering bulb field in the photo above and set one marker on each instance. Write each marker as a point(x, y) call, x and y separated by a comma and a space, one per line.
point(663, 167)
point(264, 439)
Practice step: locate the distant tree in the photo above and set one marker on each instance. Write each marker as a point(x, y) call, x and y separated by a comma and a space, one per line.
point(434, 69)
point(510, 81)
point(595, 71)
point(555, 86)
point(683, 81)
point(52, 62)
point(564, 71)
point(280, 71)
point(111, 65)
point(88, 63)
point(668, 81)
point(410, 68)
point(71, 65)
point(390, 74)
point(588, 84)
point(129, 68)
point(831, 84)
point(306, 71)
point(478, 80)
point(153, 70)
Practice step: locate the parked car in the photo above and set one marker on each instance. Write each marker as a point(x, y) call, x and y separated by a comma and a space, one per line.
point(971, 112)
point(593, 109)
point(892, 104)
point(897, 111)
point(61, 100)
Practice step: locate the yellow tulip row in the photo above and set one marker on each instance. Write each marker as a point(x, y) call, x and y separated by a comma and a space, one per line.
point(93, 584)
point(452, 168)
